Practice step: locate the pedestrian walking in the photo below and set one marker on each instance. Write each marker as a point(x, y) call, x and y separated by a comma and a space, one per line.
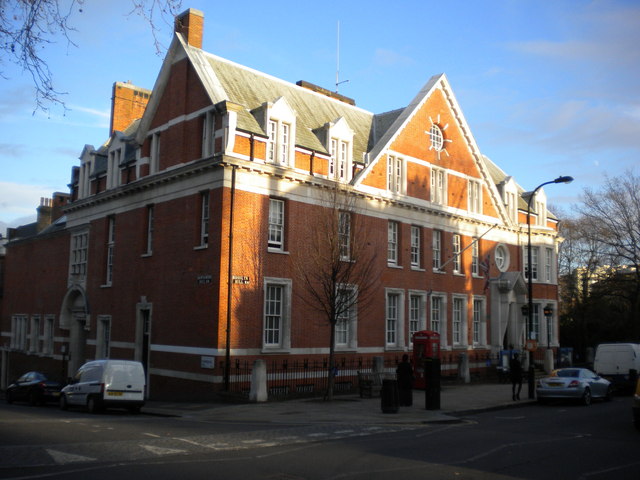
point(515, 372)
point(404, 374)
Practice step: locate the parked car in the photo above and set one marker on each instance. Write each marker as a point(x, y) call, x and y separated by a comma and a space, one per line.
point(35, 388)
point(574, 384)
point(636, 406)
point(619, 363)
point(106, 383)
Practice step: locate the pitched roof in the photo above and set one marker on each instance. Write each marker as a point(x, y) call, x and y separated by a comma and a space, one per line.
point(226, 80)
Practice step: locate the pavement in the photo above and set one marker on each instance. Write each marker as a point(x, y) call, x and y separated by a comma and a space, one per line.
point(456, 401)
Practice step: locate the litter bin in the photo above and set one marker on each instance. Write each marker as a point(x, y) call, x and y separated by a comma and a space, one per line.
point(389, 398)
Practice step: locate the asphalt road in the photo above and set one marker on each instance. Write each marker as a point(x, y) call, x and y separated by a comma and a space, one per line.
point(556, 441)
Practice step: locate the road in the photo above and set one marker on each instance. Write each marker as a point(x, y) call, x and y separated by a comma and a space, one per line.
point(534, 442)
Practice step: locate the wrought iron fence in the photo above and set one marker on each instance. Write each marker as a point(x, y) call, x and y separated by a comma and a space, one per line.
point(299, 378)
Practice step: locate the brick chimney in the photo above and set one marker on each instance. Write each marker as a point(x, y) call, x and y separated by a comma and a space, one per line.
point(51, 209)
point(190, 24)
point(127, 104)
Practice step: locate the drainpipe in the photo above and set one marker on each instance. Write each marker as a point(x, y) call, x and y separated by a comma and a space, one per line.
point(227, 362)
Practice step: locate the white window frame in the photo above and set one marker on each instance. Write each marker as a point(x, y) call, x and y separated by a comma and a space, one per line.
point(459, 321)
point(344, 235)
point(48, 336)
point(548, 265)
point(394, 318)
point(208, 134)
point(113, 168)
point(438, 316)
point(347, 321)
point(79, 255)
point(103, 337)
point(154, 160)
point(34, 334)
point(541, 212)
point(457, 249)
point(19, 325)
point(111, 245)
point(438, 186)
point(276, 226)
point(150, 219)
point(279, 143)
point(283, 341)
point(474, 196)
point(512, 205)
point(475, 257)
point(205, 216)
point(395, 174)
point(535, 319)
point(416, 246)
point(436, 249)
point(479, 321)
point(393, 228)
point(417, 313)
point(535, 254)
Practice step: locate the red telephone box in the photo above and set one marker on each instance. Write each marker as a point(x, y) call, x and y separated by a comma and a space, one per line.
point(426, 344)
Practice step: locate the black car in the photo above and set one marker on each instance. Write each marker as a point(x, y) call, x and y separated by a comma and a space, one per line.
point(35, 388)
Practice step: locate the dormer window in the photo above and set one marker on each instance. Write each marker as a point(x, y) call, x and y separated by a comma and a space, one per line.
point(337, 137)
point(279, 146)
point(113, 168)
point(539, 206)
point(278, 120)
point(510, 197)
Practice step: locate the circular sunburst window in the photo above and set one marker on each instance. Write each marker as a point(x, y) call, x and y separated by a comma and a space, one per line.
point(437, 139)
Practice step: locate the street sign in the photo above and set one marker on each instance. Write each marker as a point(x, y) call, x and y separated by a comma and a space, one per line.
point(241, 279)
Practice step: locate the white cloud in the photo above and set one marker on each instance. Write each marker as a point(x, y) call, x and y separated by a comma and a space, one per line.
point(20, 200)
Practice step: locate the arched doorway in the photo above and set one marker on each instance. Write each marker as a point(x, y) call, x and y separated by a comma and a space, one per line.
point(75, 317)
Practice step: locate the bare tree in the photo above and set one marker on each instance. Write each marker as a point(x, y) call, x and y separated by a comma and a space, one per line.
point(604, 242)
point(28, 26)
point(337, 267)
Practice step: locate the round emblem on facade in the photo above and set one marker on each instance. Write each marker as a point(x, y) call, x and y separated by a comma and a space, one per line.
point(501, 255)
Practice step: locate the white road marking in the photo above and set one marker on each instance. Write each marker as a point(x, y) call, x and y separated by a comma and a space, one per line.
point(63, 458)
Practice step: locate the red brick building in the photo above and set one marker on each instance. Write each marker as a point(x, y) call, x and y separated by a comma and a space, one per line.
point(217, 179)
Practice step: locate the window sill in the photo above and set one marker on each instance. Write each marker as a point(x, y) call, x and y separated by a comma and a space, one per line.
point(440, 272)
point(201, 247)
point(276, 250)
point(394, 348)
point(417, 269)
point(106, 285)
point(146, 255)
point(394, 265)
point(267, 350)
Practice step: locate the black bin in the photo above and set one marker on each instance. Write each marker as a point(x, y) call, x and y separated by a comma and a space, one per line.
point(389, 397)
point(432, 381)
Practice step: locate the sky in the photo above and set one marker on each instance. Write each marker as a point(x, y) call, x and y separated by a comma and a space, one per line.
point(548, 88)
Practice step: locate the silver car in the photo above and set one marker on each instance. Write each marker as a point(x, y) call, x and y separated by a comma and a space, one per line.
point(574, 383)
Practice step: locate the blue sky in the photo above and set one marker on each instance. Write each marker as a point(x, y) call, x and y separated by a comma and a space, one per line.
point(548, 88)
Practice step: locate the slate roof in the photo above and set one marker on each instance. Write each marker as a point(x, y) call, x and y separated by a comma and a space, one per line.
point(252, 89)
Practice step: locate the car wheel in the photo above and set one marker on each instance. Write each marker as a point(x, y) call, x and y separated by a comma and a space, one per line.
point(9, 397)
point(586, 397)
point(93, 405)
point(135, 409)
point(64, 405)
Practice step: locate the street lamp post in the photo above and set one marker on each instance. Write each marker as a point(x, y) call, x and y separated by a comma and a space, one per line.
point(562, 179)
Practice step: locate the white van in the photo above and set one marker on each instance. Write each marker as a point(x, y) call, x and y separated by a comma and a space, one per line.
point(618, 362)
point(106, 383)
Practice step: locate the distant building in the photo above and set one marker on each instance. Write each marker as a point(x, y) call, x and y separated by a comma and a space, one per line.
point(136, 263)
